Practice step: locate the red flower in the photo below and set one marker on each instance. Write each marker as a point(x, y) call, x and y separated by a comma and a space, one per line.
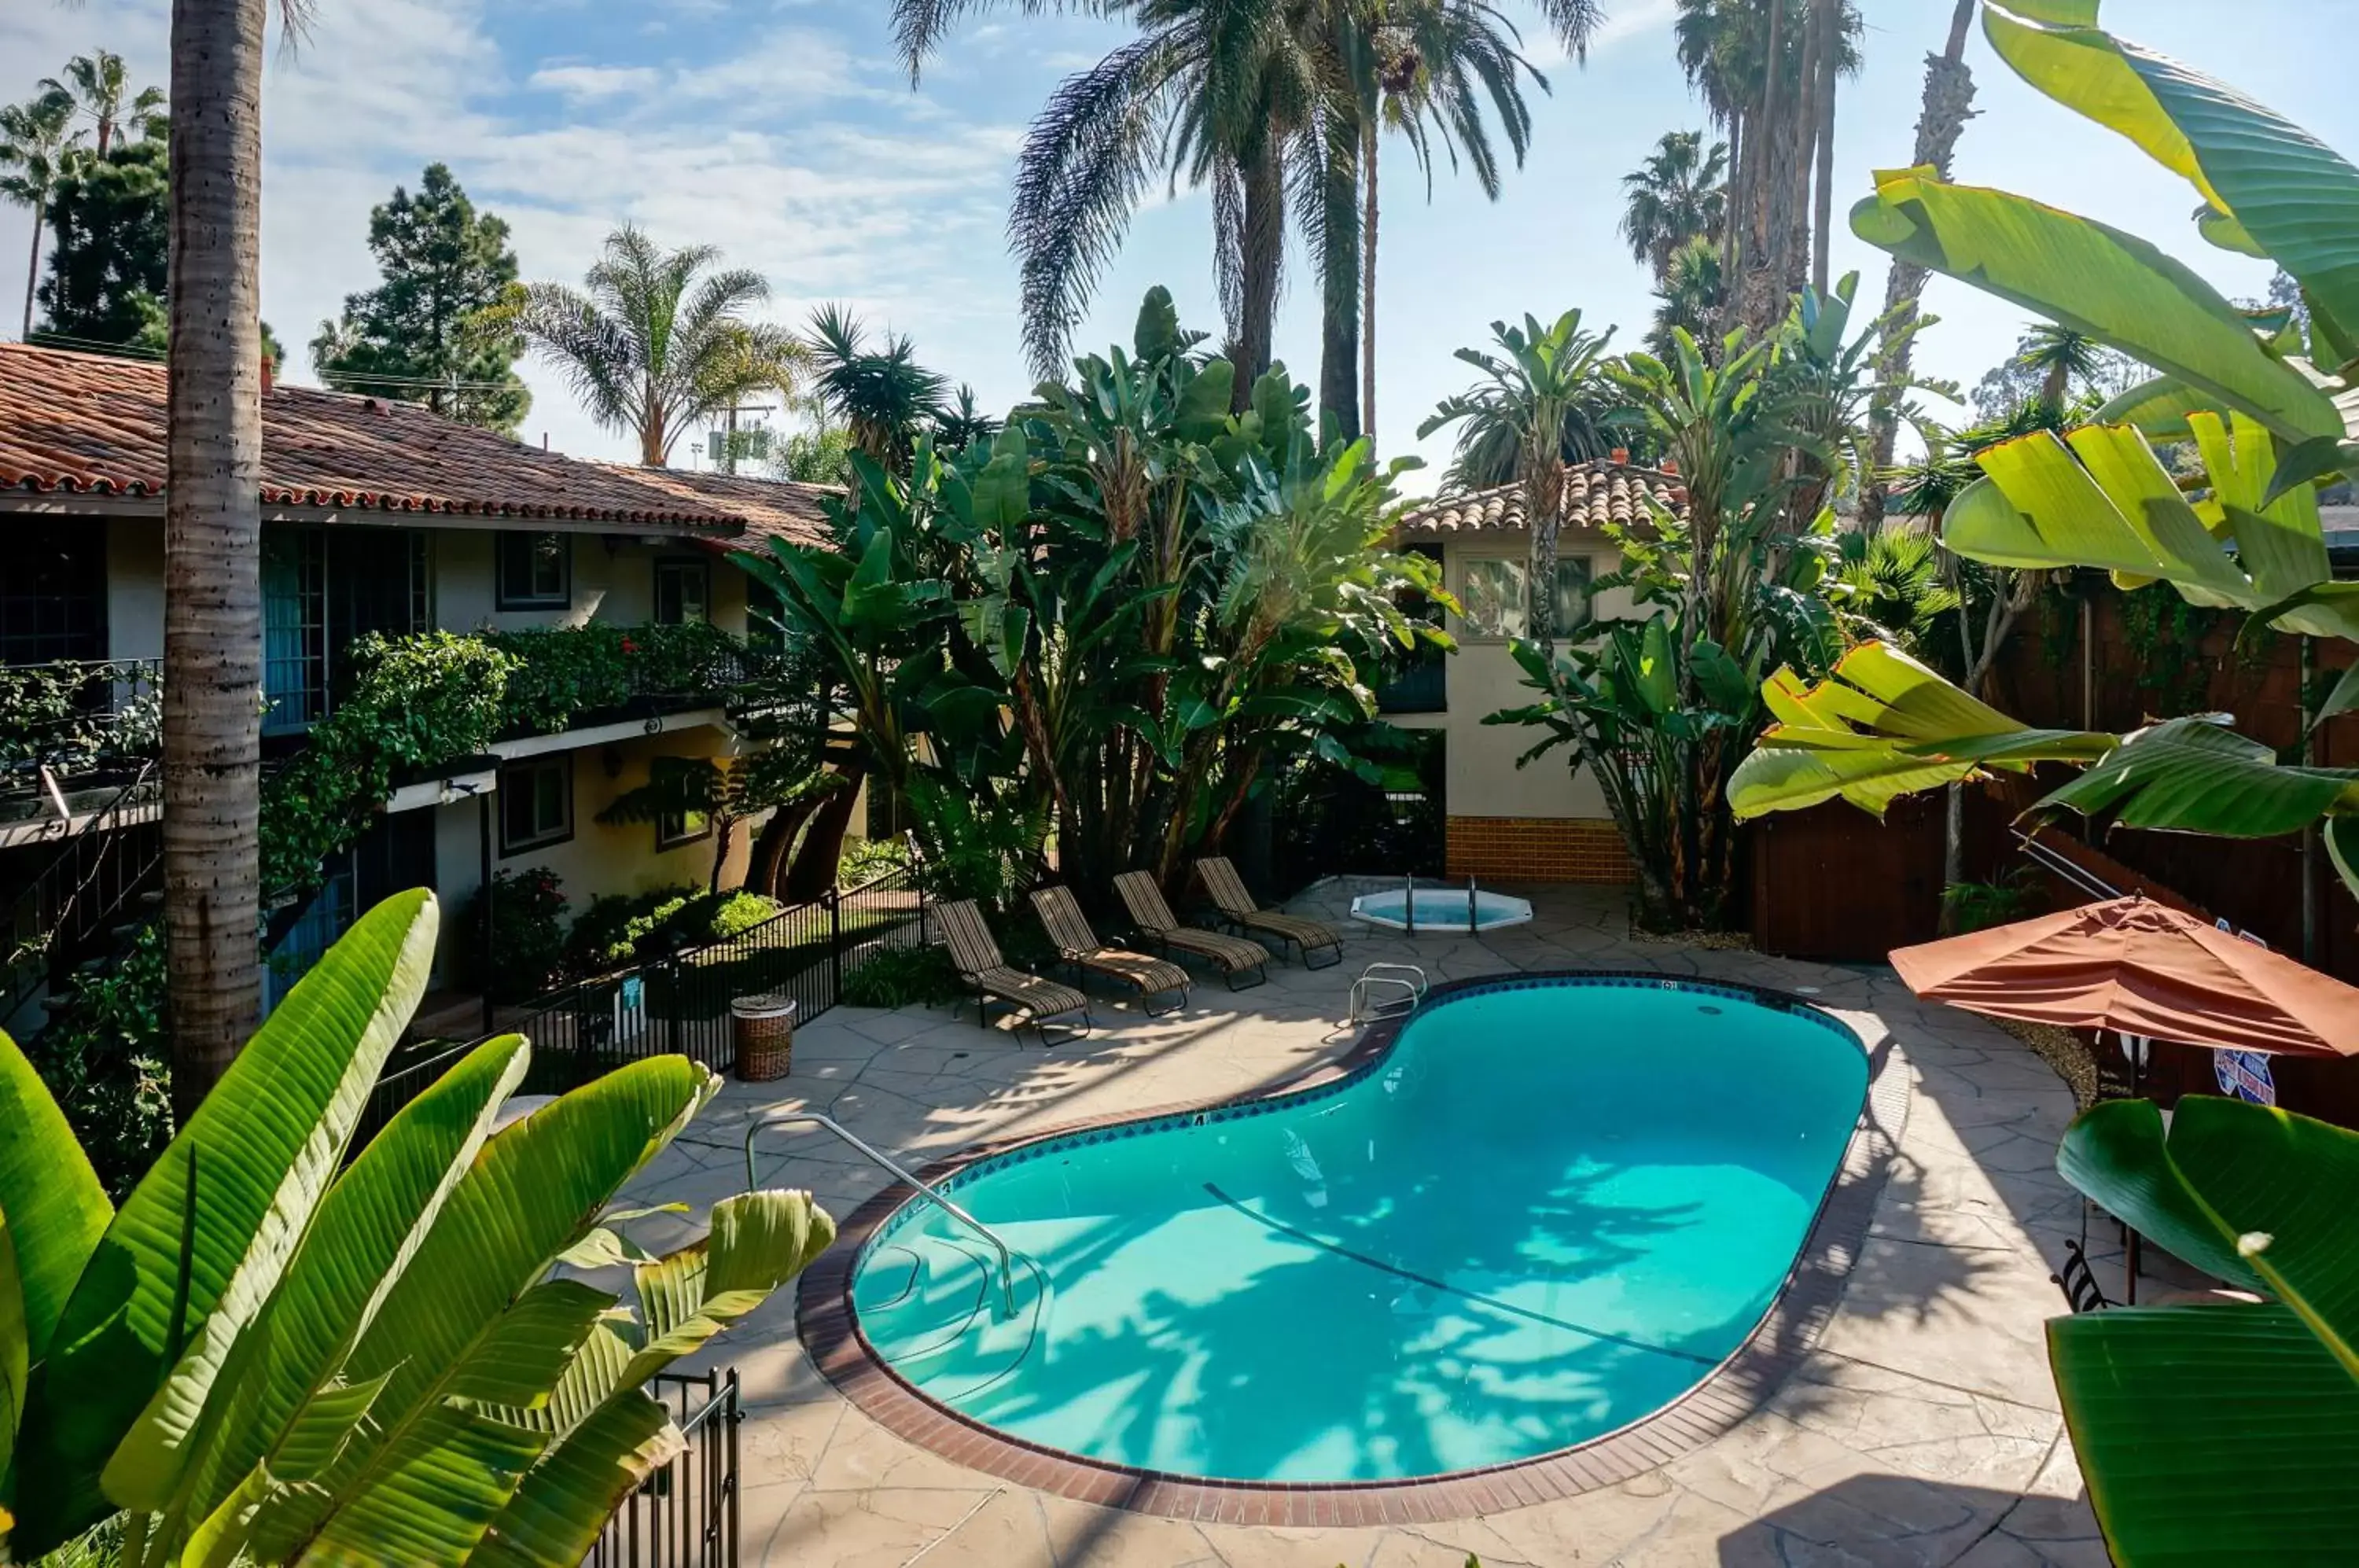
point(630, 646)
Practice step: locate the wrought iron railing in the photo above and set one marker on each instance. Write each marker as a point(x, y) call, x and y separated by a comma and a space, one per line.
point(73, 716)
point(685, 1515)
point(679, 1005)
point(84, 889)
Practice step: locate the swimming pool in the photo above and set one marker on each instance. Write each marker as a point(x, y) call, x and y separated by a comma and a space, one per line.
point(1440, 909)
point(1552, 1207)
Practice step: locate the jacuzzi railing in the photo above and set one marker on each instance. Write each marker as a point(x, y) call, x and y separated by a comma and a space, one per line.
point(894, 1167)
point(1409, 903)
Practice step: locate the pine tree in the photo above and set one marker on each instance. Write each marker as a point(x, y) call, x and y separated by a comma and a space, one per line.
point(419, 335)
point(111, 220)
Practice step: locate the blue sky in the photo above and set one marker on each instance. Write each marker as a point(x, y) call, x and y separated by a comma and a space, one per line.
point(782, 131)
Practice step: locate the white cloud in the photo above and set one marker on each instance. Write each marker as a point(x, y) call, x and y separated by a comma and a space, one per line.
point(595, 82)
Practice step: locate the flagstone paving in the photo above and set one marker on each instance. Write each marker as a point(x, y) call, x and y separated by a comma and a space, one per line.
point(1920, 1430)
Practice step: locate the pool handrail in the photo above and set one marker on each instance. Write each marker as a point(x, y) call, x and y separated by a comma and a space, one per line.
point(900, 1173)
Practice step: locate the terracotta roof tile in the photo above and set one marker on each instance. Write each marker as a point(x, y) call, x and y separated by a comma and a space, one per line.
point(1594, 493)
point(773, 508)
point(91, 425)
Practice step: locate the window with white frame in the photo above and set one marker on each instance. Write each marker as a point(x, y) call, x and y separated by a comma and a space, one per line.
point(536, 571)
point(683, 593)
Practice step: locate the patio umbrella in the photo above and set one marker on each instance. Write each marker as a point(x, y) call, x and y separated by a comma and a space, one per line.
point(2138, 967)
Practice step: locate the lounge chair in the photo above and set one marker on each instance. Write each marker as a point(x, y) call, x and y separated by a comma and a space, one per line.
point(1237, 906)
point(1158, 927)
point(987, 975)
point(1079, 946)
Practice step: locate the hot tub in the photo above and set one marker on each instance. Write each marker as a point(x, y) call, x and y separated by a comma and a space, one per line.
point(1440, 910)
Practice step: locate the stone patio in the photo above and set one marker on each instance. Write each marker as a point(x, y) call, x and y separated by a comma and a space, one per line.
point(1921, 1429)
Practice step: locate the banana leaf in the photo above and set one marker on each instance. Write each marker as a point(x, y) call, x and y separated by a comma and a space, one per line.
point(2098, 280)
point(2228, 1432)
point(2291, 198)
point(202, 1241)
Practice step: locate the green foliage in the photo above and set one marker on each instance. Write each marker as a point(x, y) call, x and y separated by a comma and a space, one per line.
point(723, 791)
point(527, 936)
point(418, 335)
point(71, 718)
point(1544, 395)
point(991, 847)
point(866, 859)
point(105, 1064)
point(372, 1359)
point(560, 672)
point(904, 977)
point(2224, 1432)
point(1978, 906)
point(1887, 583)
point(415, 702)
point(110, 220)
point(821, 455)
point(622, 929)
point(1109, 618)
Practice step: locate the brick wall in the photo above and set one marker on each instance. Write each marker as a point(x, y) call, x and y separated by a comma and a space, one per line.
point(1538, 849)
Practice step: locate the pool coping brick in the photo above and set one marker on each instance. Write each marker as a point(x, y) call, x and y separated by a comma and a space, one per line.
point(1713, 1406)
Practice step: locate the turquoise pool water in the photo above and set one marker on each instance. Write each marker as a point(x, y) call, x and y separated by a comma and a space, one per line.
point(1550, 1210)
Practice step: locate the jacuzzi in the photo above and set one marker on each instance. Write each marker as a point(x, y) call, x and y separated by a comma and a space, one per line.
point(1440, 909)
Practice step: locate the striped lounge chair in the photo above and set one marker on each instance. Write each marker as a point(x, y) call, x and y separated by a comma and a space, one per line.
point(1158, 927)
point(1060, 912)
point(1237, 906)
point(987, 975)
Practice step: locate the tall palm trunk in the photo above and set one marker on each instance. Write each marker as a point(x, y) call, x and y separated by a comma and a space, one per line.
point(213, 544)
point(33, 268)
point(1823, 178)
point(1949, 103)
point(1368, 144)
point(1339, 281)
point(1261, 242)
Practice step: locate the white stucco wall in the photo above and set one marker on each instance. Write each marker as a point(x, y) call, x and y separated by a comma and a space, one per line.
point(134, 586)
point(1483, 678)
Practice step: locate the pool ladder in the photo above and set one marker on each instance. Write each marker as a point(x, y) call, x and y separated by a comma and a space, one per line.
point(894, 1167)
point(1387, 991)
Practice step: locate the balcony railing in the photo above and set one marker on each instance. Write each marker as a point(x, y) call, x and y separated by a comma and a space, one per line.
point(573, 677)
point(74, 719)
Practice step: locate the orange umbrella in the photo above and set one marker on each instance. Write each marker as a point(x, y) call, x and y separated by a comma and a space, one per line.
point(2139, 968)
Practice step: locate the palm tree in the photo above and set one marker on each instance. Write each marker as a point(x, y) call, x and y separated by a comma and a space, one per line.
point(213, 541)
point(650, 347)
point(1424, 71)
point(883, 398)
point(1536, 384)
point(1680, 193)
point(2063, 356)
point(961, 423)
point(1949, 102)
point(95, 85)
point(1688, 295)
point(33, 143)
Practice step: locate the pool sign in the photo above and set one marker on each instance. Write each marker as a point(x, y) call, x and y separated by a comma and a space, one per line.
point(630, 1008)
point(2244, 1074)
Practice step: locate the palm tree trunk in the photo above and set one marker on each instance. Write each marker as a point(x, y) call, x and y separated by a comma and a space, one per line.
point(213, 544)
point(1262, 243)
point(1823, 215)
point(1753, 285)
point(1338, 285)
point(1949, 103)
point(33, 269)
point(1368, 283)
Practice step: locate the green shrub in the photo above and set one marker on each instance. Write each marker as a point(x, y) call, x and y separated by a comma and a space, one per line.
point(622, 928)
point(105, 1060)
point(527, 940)
point(866, 859)
point(730, 913)
point(903, 977)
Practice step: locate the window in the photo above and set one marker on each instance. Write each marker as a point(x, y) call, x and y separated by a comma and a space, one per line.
point(1494, 600)
point(675, 828)
point(536, 803)
point(763, 630)
point(683, 593)
point(1497, 608)
point(536, 571)
point(293, 629)
point(52, 591)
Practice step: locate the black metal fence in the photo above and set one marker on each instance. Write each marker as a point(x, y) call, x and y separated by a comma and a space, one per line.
point(685, 1515)
point(679, 1005)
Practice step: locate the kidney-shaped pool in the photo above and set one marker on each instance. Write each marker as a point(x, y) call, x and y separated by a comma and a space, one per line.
point(1551, 1209)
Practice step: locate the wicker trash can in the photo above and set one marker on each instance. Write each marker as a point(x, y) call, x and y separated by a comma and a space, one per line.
point(764, 1029)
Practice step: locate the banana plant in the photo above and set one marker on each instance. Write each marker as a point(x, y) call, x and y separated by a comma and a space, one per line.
point(271, 1355)
point(2224, 1432)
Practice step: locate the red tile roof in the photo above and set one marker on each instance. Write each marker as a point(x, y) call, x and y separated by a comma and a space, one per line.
point(91, 425)
point(772, 508)
point(1594, 493)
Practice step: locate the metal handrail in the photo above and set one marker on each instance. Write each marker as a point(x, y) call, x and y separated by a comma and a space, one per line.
point(783, 1118)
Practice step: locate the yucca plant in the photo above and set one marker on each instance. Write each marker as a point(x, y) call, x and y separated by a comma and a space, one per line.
point(269, 1355)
